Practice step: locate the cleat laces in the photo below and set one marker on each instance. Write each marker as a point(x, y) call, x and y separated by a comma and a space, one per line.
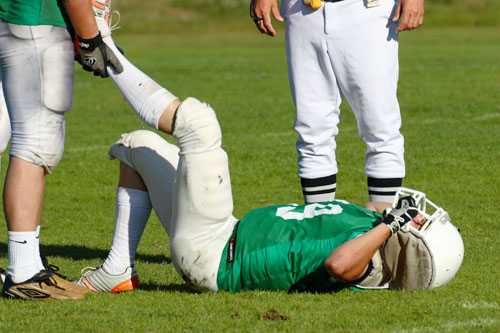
point(51, 268)
point(46, 279)
point(114, 26)
point(86, 271)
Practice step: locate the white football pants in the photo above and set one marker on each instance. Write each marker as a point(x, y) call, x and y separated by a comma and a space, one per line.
point(344, 48)
point(196, 211)
point(36, 64)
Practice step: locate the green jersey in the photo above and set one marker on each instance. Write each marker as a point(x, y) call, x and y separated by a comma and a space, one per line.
point(33, 12)
point(284, 247)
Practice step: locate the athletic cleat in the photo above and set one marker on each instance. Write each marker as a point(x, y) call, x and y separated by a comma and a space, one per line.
point(103, 16)
point(43, 286)
point(100, 281)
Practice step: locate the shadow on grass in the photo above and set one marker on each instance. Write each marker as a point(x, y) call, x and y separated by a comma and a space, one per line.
point(77, 252)
point(182, 288)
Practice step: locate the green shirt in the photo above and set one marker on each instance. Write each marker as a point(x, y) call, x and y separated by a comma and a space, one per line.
point(33, 12)
point(284, 247)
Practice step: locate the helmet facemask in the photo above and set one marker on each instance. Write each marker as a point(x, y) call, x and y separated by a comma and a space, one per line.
point(427, 257)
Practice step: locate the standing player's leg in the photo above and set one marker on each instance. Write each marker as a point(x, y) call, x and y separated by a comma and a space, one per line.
point(37, 69)
point(317, 99)
point(367, 73)
point(147, 174)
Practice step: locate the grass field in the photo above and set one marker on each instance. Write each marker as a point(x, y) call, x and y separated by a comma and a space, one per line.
point(449, 94)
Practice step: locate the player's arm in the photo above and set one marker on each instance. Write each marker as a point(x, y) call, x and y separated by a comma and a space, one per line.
point(350, 260)
point(410, 14)
point(260, 12)
point(82, 18)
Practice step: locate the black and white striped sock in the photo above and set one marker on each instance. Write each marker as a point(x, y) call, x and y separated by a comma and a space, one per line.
point(383, 189)
point(319, 189)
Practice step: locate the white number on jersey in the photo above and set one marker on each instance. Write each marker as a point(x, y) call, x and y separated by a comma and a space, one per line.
point(289, 213)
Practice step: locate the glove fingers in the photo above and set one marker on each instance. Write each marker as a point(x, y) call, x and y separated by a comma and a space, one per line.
point(406, 202)
point(413, 212)
point(87, 68)
point(113, 61)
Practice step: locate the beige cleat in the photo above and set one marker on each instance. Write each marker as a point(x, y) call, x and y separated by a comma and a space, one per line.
point(43, 286)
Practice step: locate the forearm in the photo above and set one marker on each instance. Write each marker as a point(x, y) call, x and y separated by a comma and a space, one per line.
point(82, 18)
point(350, 260)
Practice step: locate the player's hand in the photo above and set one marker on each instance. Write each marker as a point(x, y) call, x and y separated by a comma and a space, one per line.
point(410, 14)
point(260, 12)
point(96, 56)
point(403, 213)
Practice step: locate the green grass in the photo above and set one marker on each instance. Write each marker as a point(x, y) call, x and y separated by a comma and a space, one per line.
point(209, 16)
point(448, 91)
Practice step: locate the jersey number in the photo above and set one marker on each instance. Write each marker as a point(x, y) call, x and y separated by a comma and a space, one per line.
point(289, 213)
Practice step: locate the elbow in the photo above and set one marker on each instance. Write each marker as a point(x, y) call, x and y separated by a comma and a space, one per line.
point(340, 269)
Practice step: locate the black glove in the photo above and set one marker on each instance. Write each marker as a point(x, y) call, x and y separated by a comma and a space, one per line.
point(403, 213)
point(95, 56)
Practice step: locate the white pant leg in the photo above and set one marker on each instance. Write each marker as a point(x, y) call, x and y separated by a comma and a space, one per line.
point(363, 48)
point(203, 202)
point(347, 47)
point(37, 71)
point(156, 161)
point(314, 89)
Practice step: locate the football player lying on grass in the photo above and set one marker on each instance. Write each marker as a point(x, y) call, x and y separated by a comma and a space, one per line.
point(312, 247)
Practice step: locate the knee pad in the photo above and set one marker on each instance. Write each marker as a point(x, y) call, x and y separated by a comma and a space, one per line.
point(40, 143)
point(204, 187)
point(196, 127)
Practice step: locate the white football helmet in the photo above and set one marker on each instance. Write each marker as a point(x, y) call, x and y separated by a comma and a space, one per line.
point(440, 236)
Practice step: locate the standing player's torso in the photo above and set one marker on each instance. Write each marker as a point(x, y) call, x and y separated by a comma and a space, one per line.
point(32, 12)
point(283, 247)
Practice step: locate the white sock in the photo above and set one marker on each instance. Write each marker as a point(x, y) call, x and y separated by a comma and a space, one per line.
point(146, 97)
point(22, 264)
point(133, 208)
point(38, 259)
